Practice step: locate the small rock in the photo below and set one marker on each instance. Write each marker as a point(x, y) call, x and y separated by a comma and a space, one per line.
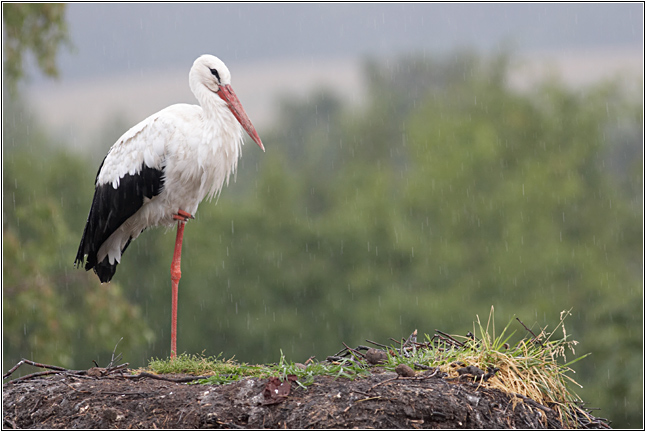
point(472, 370)
point(96, 372)
point(405, 371)
point(376, 356)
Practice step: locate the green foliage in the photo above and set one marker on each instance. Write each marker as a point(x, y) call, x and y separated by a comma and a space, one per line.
point(39, 28)
point(446, 193)
point(50, 311)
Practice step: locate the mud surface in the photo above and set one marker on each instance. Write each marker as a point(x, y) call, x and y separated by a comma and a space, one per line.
point(382, 400)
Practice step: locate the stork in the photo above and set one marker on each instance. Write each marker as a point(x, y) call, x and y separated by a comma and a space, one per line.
point(159, 171)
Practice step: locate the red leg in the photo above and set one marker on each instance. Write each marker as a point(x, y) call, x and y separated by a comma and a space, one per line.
point(176, 273)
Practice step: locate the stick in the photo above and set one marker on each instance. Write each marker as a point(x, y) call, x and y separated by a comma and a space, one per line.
point(425, 367)
point(527, 329)
point(30, 376)
point(54, 369)
point(34, 364)
point(382, 383)
point(534, 403)
point(112, 358)
point(451, 338)
point(377, 344)
point(168, 379)
point(447, 340)
point(354, 352)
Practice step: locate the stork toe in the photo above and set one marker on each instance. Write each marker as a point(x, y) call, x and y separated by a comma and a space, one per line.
point(182, 216)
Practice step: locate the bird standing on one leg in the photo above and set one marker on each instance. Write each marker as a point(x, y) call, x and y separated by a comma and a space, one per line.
point(159, 171)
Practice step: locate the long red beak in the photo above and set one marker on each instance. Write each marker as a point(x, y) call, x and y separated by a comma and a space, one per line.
point(227, 94)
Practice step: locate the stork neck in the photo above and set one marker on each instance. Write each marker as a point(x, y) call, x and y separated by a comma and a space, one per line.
point(211, 104)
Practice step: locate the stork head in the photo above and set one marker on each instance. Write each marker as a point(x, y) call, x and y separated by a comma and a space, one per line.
point(210, 73)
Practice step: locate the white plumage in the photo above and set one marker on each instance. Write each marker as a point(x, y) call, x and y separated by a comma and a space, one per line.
point(195, 161)
point(160, 170)
point(168, 162)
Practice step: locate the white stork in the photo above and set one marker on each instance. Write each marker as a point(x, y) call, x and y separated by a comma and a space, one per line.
point(159, 171)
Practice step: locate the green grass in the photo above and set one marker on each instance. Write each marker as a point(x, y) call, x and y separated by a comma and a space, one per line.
point(224, 371)
point(535, 367)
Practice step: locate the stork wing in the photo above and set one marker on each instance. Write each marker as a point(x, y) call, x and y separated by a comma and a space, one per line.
point(132, 171)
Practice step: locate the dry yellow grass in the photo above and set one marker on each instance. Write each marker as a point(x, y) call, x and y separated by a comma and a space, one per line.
point(535, 368)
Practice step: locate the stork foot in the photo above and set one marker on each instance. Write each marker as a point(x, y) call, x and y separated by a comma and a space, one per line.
point(182, 216)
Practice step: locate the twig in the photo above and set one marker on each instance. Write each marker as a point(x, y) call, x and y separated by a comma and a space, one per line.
point(422, 377)
point(424, 367)
point(535, 338)
point(34, 364)
point(524, 325)
point(118, 367)
point(402, 344)
point(77, 390)
point(54, 369)
point(112, 358)
point(382, 383)
point(447, 341)
point(168, 379)
point(359, 401)
point(377, 344)
point(534, 403)
point(413, 338)
point(339, 353)
point(403, 378)
point(455, 341)
point(31, 376)
point(14, 368)
point(335, 358)
point(354, 352)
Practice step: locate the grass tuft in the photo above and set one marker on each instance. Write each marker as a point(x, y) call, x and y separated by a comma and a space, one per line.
point(535, 368)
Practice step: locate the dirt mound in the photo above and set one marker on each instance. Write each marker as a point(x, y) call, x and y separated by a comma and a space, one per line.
point(382, 400)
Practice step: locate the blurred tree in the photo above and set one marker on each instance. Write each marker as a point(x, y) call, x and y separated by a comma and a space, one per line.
point(39, 28)
point(51, 313)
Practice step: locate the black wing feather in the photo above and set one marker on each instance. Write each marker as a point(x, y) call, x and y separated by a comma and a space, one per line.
point(111, 207)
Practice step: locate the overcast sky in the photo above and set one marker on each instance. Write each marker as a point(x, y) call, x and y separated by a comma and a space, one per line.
point(130, 60)
point(113, 38)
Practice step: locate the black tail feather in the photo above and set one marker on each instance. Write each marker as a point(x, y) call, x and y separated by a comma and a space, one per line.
point(104, 270)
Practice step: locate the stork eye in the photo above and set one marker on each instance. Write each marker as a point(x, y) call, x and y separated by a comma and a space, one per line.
point(214, 72)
